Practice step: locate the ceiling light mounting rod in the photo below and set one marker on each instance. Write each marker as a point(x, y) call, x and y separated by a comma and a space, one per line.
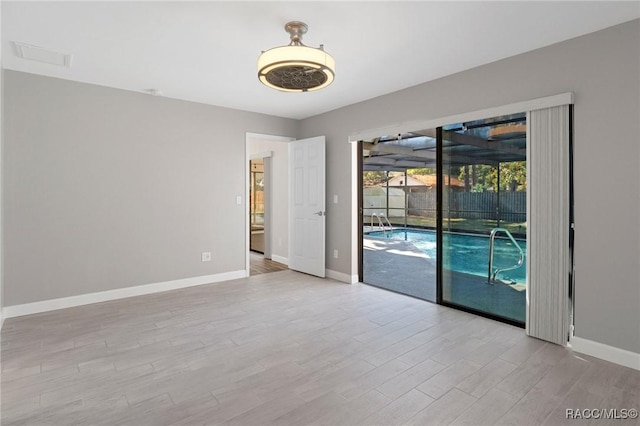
point(296, 30)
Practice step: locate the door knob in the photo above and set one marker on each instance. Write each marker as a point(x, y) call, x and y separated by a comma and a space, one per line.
point(320, 213)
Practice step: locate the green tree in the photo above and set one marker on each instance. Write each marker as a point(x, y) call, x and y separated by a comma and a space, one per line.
point(480, 177)
point(422, 171)
point(372, 178)
point(477, 177)
point(513, 176)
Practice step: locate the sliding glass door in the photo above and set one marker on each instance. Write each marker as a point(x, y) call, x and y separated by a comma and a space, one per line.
point(398, 205)
point(497, 202)
point(483, 219)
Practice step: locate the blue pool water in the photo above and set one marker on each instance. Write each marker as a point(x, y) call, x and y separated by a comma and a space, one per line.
point(466, 253)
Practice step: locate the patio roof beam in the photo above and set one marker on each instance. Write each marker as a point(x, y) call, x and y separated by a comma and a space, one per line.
point(402, 163)
point(462, 139)
point(463, 160)
point(413, 163)
point(398, 149)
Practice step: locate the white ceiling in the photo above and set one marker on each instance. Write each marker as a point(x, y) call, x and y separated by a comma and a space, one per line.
point(207, 51)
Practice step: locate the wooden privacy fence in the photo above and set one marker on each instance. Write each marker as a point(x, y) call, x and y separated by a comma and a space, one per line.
point(512, 206)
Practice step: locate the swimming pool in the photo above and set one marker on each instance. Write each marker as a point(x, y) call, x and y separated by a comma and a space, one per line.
point(464, 252)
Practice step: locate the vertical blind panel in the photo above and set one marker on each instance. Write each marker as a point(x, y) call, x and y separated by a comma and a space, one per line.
point(548, 224)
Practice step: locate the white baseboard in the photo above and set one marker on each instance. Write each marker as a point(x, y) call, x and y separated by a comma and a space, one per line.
point(339, 276)
point(120, 293)
point(605, 352)
point(280, 259)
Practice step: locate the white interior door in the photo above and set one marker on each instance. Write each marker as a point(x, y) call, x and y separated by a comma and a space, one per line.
point(307, 205)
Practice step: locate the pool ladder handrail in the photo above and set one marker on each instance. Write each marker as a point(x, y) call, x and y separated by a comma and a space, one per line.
point(380, 223)
point(491, 275)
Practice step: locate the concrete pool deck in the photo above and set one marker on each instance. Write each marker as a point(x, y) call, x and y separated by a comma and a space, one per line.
point(399, 266)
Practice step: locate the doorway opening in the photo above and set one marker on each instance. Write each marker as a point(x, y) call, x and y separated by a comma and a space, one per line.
point(266, 206)
point(256, 205)
point(259, 223)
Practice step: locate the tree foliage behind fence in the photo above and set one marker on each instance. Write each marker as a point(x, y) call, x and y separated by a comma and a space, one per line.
point(472, 205)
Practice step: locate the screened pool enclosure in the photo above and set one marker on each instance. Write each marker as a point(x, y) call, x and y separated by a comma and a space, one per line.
point(444, 215)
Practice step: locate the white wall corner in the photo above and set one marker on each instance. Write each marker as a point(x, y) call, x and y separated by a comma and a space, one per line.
point(339, 276)
point(121, 293)
point(605, 352)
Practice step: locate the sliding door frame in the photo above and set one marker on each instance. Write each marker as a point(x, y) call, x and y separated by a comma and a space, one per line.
point(437, 123)
point(572, 229)
point(439, 236)
point(360, 179)
point(439, 227)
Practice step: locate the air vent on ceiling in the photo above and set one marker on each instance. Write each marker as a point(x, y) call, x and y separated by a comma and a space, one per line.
point(40, 54)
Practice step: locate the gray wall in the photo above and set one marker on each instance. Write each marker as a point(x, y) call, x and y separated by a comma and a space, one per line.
point(603, 71)
point(106, 188)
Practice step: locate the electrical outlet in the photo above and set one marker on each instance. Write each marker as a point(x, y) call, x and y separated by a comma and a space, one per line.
point(206, 256)
point(335, 253)
point(335, 199)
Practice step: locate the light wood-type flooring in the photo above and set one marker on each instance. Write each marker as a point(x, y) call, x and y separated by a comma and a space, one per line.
point(260, 265)
point(289, 349)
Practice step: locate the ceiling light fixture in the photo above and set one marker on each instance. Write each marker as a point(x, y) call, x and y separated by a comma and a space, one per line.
point(296, 67)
